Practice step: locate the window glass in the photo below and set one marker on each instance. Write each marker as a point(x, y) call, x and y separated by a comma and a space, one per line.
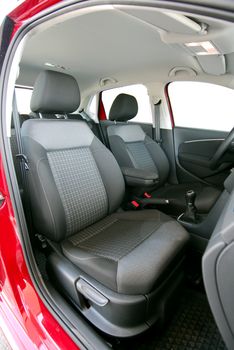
point(144, 114)
point(23, 98)
point(202, 105)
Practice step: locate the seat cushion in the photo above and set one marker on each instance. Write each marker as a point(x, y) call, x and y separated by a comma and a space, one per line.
point(206, 196)
point(127, 251)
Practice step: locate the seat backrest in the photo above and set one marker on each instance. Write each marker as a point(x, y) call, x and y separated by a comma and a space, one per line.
point(76, 116)
point(129, 143)
point(73, 179)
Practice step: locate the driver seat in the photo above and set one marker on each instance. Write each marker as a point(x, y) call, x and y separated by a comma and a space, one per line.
point(121, 269)
point(134, 149)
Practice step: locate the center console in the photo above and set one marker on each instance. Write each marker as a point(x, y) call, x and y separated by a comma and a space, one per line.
point(201, 226)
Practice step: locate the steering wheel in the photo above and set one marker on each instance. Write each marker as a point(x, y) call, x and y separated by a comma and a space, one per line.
point(221, 149)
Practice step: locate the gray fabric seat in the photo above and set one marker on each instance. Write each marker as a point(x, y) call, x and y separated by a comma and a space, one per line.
point(123, 246)
point(76, 188)
point(134, 149)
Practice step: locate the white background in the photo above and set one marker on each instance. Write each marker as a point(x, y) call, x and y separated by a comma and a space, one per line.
point(202, 105)
point(7, 6)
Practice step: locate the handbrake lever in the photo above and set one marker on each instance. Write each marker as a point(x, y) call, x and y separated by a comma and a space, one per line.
point(152, 201)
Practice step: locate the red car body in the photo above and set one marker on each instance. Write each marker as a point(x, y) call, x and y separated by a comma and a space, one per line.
point(25, 320)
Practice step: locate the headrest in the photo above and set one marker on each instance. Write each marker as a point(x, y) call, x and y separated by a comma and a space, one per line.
point(123, 108)
point(55, 92)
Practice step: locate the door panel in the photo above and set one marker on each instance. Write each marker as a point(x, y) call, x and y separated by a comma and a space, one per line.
point(193, 150)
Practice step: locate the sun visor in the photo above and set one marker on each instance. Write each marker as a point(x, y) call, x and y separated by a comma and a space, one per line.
point(165, 20)
point(213, 64)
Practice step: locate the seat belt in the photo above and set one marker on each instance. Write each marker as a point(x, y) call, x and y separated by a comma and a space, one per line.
point(23, 159)
point(85, 116)
point(90, 120)
point(157, 122)
point(24, 165)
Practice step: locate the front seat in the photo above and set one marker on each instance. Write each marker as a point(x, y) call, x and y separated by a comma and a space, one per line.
point(133, 149)
point(118, 268)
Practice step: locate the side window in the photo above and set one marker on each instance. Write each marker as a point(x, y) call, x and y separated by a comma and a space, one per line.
point(92, 107)
point(144, 114)
point(202, 105)
point(23, 98)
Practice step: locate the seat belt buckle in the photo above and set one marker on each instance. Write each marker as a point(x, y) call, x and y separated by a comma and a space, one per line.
point(24, 159)
point(147, 195)
point(135, 204)
point(42, 240)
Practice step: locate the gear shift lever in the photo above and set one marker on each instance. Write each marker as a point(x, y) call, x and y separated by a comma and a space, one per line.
point(191, 211)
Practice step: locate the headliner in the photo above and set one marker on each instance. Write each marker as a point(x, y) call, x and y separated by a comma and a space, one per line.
point(109, 46)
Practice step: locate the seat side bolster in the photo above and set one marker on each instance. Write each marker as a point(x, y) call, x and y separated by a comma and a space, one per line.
point(104, 270)
point(151, 258)
point(160, 159)
point(121, 152)
point(47, 210)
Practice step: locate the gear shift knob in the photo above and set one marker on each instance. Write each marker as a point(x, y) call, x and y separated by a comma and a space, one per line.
point(190, 197)
point(191, 211)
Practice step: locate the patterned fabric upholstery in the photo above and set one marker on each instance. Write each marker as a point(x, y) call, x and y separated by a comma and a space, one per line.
point(93, 230)
point(76, 188)
point(80, 186)
point(108, 237)
point(128, 251)
point(141, 156)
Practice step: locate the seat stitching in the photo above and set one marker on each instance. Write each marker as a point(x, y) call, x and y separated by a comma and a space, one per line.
point(128, 252)
point(94, 234)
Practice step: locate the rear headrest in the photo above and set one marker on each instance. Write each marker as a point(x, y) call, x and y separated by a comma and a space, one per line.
point(123, 108)
point(55, 92)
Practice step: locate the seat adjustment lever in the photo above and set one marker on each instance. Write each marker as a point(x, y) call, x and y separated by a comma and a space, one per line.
point(90, 293)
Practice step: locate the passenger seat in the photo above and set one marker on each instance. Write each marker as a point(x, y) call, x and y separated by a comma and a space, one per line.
point(119, 268)
point(135, 151)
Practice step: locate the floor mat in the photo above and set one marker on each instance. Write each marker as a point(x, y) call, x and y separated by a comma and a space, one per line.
point(192, 327)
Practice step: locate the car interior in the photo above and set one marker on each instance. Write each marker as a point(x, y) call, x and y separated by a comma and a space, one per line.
point(130, 220)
